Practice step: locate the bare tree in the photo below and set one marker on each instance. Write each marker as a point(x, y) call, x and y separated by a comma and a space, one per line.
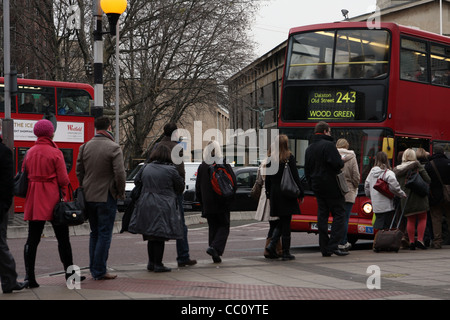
point(173, 54)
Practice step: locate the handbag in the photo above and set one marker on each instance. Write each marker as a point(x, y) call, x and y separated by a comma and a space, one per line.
point(342, 183)
point(68, 213)
point(445, 187)
point(288, 185)
point(383, 187)
point(415, 183)
point(255, 193)
point(21, 182)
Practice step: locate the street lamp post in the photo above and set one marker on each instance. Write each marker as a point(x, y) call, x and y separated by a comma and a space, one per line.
point(113, 9)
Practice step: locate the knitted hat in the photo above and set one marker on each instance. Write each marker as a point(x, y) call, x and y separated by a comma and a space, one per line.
point(44, 128)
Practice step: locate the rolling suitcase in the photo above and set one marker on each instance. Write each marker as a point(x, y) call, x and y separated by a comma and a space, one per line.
point(390, 239)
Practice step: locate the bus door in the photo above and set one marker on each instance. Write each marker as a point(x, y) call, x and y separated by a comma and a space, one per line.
point(403, 142)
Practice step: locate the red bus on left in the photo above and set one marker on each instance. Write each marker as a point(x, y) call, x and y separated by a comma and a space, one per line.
point(66, 104)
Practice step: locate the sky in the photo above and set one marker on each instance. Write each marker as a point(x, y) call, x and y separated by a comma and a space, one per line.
point(276, 17)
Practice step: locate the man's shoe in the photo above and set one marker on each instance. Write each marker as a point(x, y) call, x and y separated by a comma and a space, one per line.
point(339, 252)
point(161, 268)
point(19, 286)
point(107, 276)
point(213, 253)
point(187, 263)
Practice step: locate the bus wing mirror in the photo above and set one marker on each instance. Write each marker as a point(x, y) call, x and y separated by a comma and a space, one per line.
point(388, 147)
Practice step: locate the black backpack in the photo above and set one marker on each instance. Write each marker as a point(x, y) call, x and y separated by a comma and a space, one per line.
point(221, 181)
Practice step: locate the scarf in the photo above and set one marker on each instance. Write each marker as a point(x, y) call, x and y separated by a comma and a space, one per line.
point(105, 133)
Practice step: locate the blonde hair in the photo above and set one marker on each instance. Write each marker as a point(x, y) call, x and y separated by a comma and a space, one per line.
point(342, 144)
point(409, 155)
point(283, 147)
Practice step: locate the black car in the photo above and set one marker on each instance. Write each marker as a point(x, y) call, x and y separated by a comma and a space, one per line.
point(245, 179)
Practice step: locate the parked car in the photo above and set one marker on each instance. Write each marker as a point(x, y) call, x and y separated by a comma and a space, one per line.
point(245, 179)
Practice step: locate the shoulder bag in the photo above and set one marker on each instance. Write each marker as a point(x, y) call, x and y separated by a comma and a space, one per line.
point(68, 213)
point(288, 185)
point(415, 183)
point(383, 187)
point(257, 187)
point(445, 187)
point(21, 182)
point(342, 183)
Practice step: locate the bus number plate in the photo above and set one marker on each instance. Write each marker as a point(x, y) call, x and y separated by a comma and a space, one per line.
point(314, 226)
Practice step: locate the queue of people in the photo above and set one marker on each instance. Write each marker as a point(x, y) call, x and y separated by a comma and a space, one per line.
point(158, 214)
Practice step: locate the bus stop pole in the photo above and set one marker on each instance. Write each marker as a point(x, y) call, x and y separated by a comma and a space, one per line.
point(98, 60)
point(7, 122)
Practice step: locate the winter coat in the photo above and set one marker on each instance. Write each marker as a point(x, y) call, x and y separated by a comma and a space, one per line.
point(100, 169)
point(322, 164)
point(212, 203)
point(47, 173)
point(443, 166)
point(381, 203)
point(263, 209)
point(6, 178)
point(416, 204)
point(156, 212)
point(351, 172)
point(280, 205)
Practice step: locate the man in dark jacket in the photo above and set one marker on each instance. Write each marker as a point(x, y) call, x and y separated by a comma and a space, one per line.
point(8, 274)
point(322, 164)
point(438, 207)
point(183, 257)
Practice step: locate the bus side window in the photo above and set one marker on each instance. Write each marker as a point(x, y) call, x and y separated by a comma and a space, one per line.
point(26, 103)
point(440, 65)
point(73, 102)
point(413, 60)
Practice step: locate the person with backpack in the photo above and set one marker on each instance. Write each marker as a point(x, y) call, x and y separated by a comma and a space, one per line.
point(214, 188)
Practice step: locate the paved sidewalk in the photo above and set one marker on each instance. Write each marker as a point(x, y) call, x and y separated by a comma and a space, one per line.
point(407, 275)
point(404, 276)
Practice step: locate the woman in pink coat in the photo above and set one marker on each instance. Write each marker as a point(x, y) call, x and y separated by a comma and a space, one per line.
point(47, 173)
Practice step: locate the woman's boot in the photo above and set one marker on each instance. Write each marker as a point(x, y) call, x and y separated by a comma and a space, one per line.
point(286, 245)
point(30, 260)
point(266, 253)
point(159, 253)
point(272, 247)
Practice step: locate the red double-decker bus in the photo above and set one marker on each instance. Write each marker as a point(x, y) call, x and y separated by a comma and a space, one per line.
point(67, 105)
point(381, 89)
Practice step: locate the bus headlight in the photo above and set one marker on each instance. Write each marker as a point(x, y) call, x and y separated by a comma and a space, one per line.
point(367, 208)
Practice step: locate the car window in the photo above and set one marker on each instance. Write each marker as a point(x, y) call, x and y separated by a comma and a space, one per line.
point(245, 180)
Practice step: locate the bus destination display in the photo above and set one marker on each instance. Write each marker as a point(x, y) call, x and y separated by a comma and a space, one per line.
point(331, 104)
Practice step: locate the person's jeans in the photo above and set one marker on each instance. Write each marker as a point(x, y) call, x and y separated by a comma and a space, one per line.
point(182, 244)
point(348, 212)
point(101, 219)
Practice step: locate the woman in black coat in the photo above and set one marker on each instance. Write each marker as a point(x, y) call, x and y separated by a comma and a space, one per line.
point(156, 215)
point(214, 208)
point(281, 205)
